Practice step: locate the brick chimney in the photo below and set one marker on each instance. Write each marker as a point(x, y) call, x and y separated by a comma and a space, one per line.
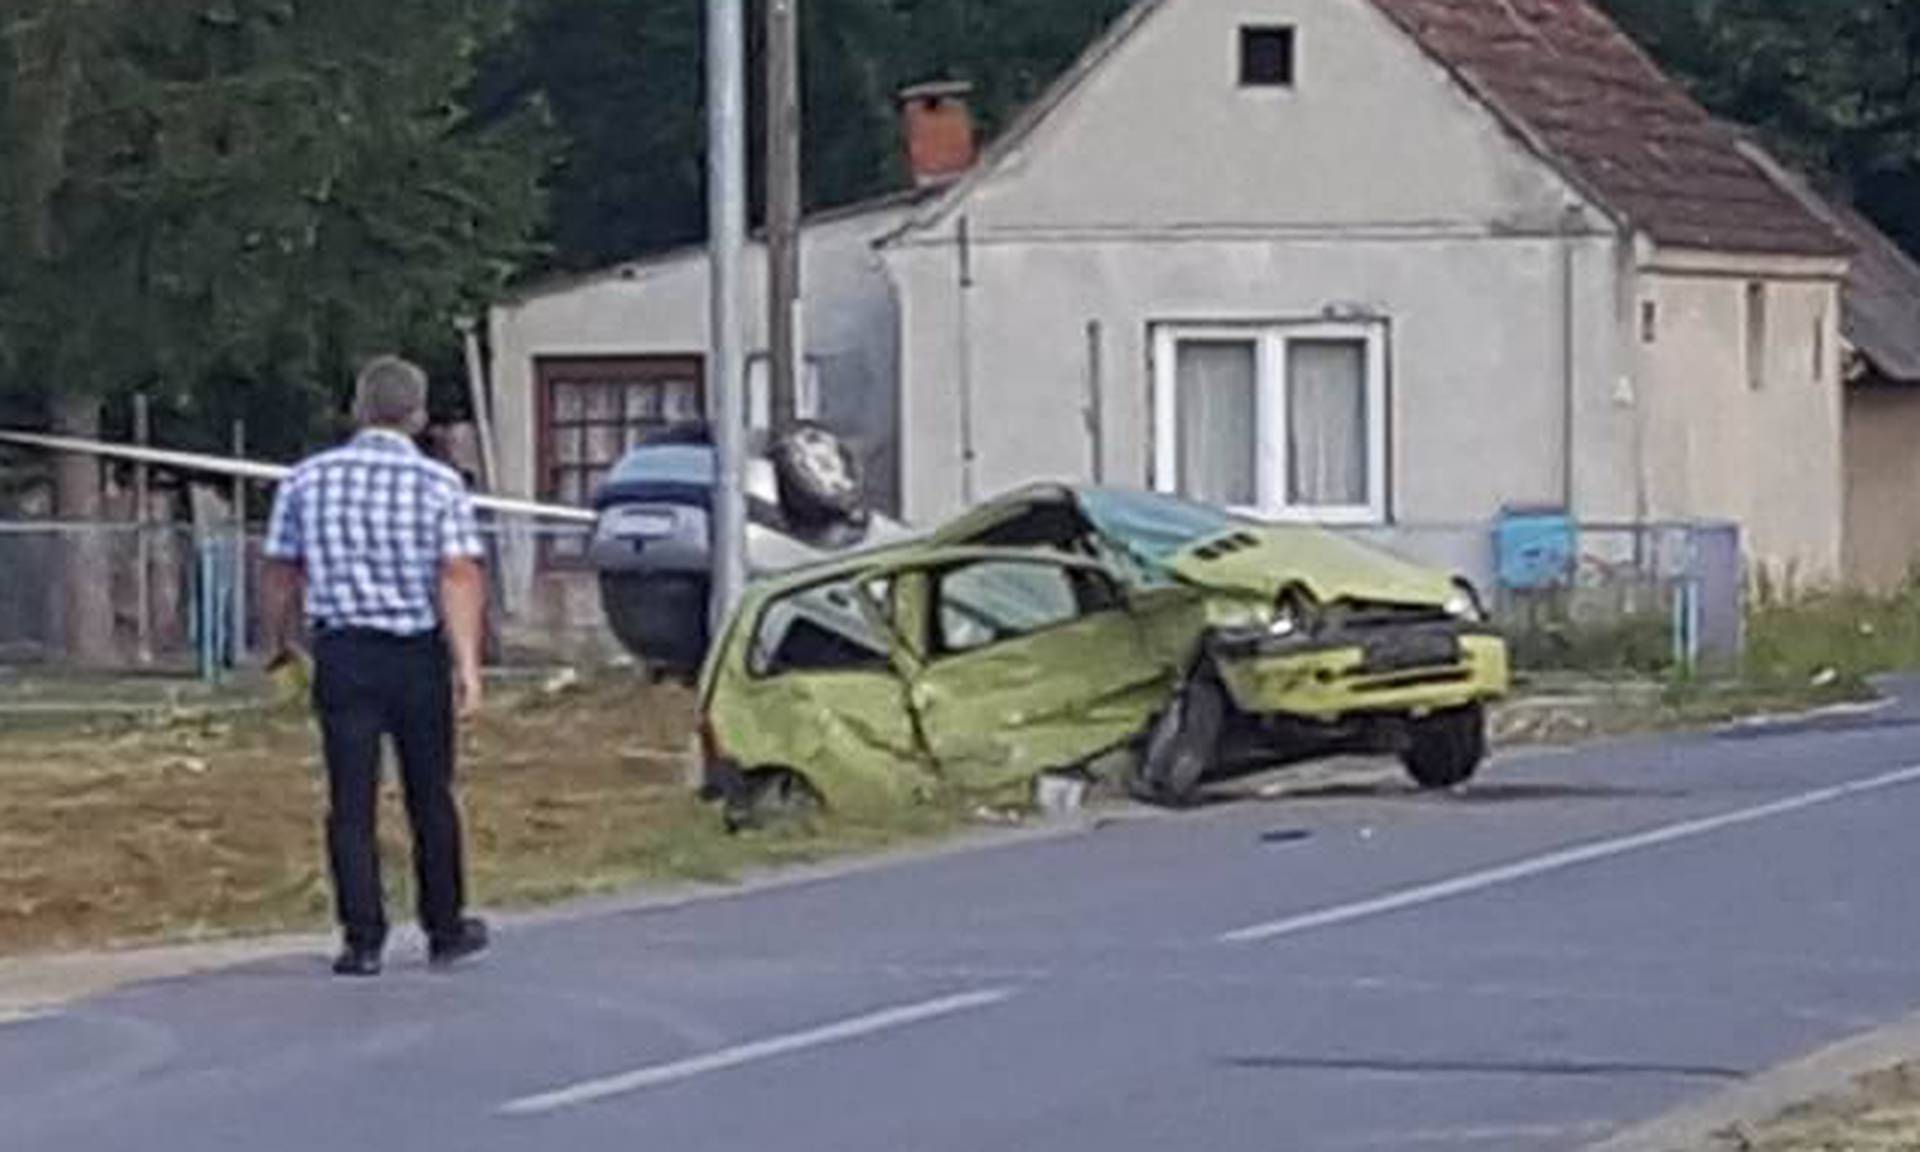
point(937, 121)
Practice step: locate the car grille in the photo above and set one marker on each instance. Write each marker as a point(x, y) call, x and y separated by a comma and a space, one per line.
point(1368, 614)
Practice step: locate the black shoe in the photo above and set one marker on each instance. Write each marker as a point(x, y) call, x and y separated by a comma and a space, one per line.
point(470, 940)
point(356, 961)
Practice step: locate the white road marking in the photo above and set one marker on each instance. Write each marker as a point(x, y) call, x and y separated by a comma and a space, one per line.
point(657, 1075)
point(1558, 861)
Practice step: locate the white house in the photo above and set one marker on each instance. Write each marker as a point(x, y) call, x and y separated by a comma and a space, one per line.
point(1393, 265)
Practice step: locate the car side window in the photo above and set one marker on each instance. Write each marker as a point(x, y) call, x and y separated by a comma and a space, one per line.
point(987, 602)
point(816, 629)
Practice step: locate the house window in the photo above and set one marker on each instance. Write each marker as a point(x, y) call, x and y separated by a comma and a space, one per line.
point(592, 411)
point(1756, 324)
point(1649, 322)
point(1287, 421)
point(1266, 57)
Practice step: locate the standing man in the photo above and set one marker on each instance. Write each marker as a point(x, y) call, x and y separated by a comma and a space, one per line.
point(381, 544)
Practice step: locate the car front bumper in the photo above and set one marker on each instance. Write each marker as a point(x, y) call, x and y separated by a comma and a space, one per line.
point(1345, 675)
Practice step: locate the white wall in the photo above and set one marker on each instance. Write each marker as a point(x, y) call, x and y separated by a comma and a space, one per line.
point(1883, 478)
point(1162, 192)
point(1476, 382)
point(1719, 448)
point(1372, 132)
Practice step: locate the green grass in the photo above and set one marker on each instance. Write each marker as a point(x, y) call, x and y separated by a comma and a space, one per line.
point(1833, 638)
point(190, 826)
point(1803, 650)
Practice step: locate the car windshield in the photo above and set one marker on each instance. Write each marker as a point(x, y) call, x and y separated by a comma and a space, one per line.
point(1151, 526)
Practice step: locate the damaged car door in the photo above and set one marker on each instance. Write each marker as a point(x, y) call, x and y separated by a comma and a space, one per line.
point(820, 675)
point(1017, 663)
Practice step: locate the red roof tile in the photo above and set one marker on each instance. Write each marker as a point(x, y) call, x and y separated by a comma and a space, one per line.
point(1566, 78)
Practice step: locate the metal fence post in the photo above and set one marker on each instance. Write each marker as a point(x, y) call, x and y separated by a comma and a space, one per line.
point(239, 593)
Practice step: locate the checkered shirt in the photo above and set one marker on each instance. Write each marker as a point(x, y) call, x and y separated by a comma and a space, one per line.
point(371, 522)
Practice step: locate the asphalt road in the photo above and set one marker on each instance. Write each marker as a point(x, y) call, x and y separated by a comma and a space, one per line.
point(1581, 942)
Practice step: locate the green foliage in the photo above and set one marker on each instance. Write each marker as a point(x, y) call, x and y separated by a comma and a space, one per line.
point(227, 202)
point(1833, 85)
point(1833, 637)
point(1638, 643)
point(624, 78)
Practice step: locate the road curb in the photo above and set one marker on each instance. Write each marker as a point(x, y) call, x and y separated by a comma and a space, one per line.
point(1762, 1097)
point(33, 986)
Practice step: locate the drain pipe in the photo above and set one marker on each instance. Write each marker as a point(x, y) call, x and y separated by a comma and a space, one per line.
point(1572, 225)
point(1095, 411)
point(964, 359)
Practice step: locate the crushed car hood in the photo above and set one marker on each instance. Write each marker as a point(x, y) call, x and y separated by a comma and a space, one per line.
point(1261, 560)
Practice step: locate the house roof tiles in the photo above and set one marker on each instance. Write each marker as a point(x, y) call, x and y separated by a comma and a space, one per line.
point(1566, 78)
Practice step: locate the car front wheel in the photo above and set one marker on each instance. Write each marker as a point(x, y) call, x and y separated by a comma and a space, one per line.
point(1445, 749)
point(1184, 741)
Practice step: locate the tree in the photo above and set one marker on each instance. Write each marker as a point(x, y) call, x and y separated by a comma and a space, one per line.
point(624, 80)
point(1833, 85)
point(228, 202)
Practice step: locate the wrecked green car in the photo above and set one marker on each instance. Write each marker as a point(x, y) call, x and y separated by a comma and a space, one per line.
point(1056, 625)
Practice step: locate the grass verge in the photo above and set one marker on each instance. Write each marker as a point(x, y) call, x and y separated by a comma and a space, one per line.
point(193, 824)
point(1879, 1113)
point(189, 826)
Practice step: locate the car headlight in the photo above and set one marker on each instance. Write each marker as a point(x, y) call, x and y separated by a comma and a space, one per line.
point(1238, 615)
point(1464, 604)
point(1292, 615)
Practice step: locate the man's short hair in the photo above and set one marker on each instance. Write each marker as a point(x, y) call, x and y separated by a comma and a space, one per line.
point(391, 393)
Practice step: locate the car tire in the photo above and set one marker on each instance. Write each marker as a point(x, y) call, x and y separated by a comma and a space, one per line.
point(1444, 750)
point(771, 796)
point(1184, 742)
point(818, 477)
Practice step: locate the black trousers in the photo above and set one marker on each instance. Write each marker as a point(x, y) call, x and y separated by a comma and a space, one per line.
point(368, 685)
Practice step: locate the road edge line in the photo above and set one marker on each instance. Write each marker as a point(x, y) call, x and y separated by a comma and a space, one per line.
point(1765, 1095)
point(1561, 859)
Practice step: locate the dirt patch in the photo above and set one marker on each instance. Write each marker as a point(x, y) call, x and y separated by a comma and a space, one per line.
point(1880, 1113)
point(186, 826)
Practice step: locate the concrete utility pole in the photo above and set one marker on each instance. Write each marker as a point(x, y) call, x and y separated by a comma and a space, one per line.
point(784, 351)
point(726, 237)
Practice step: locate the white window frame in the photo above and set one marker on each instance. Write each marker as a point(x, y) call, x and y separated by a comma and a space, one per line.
point(1270, 413)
